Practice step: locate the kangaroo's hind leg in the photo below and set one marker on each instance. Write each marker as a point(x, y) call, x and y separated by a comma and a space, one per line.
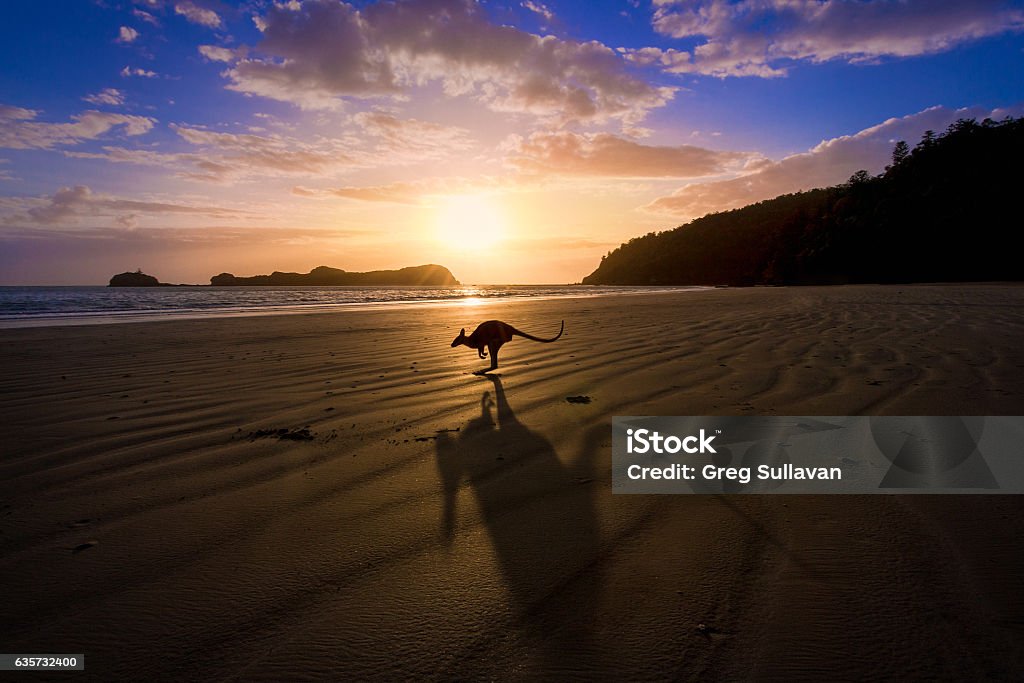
point(493, 348)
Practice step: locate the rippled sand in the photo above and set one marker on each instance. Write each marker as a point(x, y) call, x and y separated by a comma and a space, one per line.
point(416, 520)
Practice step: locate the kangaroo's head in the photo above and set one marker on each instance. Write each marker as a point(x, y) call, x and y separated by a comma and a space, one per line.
point(461, 339)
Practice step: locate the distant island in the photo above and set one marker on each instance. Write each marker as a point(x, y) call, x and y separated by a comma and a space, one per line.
point(432, 275)
point(136, 279)
point(429, 275)
point(946, 210)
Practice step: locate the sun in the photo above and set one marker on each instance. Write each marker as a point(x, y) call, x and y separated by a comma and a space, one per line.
point(470, 222)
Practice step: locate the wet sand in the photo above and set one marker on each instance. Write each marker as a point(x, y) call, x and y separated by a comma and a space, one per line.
point(336, 497)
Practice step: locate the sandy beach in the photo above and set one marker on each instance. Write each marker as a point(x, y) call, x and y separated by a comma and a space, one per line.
point(336, 496)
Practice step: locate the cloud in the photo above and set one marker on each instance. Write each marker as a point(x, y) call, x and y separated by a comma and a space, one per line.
point(322, 50)
point(411, 192)
point(405, 140)
point(72, 203)
point(759, 37)
point(220, 54)
point(110, 96)
point(145, 16)
point(20, 130)
point(395, 193)
point(11, 113)
point(383, 139)
point(203, 235)
point(539, 8)
point(604, 154)
point(128, 220)
point(828, 163)
point(128, 71)
point(221, 157)
point(247, 153)
point(198, 15)
point(127, 35)
point(680, 61)
point(537, 160)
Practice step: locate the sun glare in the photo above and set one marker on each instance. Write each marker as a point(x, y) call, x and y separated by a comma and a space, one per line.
point(470, 222)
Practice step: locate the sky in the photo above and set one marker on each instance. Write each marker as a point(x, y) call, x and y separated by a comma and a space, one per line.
point(513, 142)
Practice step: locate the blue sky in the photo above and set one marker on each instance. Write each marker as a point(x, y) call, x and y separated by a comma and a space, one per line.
point(510, 141)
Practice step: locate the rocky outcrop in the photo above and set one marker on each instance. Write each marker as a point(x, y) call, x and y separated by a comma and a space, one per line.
point(136, 279)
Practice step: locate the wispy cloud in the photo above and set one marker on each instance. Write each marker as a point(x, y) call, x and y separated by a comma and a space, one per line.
point(545, 157)
point(198, 15)
point(110, 96)
point(70, 204)
point(145, 16)
point(604, 154)
point(20, 130)
point(394, 193)
point(761, 37)
point(215, 53)
point(222, 157)
point(405, 140)
point(412, 192)
point(246, 153)
point(539, 8)
point(375, 139)
point(128, 72)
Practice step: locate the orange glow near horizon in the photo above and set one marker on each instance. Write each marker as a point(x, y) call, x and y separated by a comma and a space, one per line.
point(467, 223)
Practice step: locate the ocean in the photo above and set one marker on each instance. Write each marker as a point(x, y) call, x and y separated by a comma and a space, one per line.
point(49, 306)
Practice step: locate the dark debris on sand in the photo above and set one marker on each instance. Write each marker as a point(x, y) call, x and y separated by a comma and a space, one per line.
point(84, 546)
point(578, 399)
point(283, 434)
point(434, 436)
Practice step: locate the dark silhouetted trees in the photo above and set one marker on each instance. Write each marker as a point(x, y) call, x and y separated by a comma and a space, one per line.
point(900, 152)
point(944, 211)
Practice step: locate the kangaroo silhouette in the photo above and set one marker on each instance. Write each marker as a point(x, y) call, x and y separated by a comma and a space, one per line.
point(489, 337)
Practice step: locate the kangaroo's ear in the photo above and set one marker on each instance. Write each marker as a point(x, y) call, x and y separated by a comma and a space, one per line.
point(463, 332)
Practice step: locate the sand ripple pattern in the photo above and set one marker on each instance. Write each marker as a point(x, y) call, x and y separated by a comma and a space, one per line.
point(444, 526)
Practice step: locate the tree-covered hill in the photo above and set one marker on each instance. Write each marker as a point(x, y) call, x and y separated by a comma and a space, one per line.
point(946, 210)
point(323, 276)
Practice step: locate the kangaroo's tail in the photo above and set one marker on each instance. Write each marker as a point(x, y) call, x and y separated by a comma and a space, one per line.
point(538, 339)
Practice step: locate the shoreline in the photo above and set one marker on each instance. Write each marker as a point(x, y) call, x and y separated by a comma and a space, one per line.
point(143, 316)
point(89, 318)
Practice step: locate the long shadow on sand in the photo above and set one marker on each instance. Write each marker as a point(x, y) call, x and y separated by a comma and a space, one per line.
point(540, 516)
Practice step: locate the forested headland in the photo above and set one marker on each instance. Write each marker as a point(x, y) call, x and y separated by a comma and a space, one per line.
point(947, 209)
